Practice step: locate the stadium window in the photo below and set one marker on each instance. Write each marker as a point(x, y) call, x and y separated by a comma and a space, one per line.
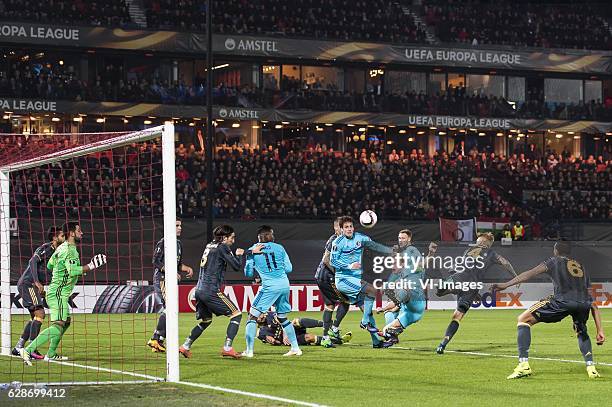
point(436, 83)
point(485, 85)
point(292, 77)
point(456, 80)
point(402, 82)
point(562, 90)
point(271, 76)
point(323, 77)
point(592, 91)
point(354, 80)
point(516, 89)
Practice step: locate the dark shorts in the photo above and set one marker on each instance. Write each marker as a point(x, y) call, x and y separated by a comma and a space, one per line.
point(329, 291)
point(159, 286)
point(213, 303)
point(465, 299)
point(30, 297)
point(552, 309)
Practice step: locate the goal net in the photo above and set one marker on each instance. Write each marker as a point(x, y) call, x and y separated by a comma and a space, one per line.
point(119, 188)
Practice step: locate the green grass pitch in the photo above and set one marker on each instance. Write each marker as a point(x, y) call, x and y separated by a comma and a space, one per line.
point(350, 375)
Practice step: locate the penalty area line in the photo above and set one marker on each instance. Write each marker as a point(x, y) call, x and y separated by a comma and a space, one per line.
point(250, 394)
point(100, 369)
point(496, 355)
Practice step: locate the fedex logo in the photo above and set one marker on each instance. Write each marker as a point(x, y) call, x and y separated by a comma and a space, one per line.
point(601, 297)
point(499, 300)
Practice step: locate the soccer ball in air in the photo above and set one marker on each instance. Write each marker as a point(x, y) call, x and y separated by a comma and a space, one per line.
point(368, 219)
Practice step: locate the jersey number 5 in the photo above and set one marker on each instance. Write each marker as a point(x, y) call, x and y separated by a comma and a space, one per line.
point(575, 268)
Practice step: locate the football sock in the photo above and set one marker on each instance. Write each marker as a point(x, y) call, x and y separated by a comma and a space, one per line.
point(389, 317)
point(49, 334)
point(523, 341)
point(250, 332)
point(232, 330)
point(343, 308)
point(195, 333)
point(310, 323)
point(375, 339)
point(290, 332)
point(25, 335)
point(451, 330)
point(368, 304)
point(160, 331)
point(35, 329)
point(584, 343)
point(327, 320)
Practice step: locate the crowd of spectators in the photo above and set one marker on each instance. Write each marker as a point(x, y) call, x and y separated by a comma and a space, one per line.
point(61, 82)
point(569, 25)
point(285, 182)
point(345, 20)
point(107, 13)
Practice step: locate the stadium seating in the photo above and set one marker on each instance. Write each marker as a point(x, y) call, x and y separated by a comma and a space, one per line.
point(569, 25)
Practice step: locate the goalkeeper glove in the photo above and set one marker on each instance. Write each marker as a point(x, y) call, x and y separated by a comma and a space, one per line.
point(97, 261)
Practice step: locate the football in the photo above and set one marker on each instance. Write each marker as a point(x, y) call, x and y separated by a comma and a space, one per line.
point(368, 219)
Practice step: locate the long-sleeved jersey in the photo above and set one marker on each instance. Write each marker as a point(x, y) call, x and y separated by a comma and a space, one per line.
point(66, 266)
point(158, 259)
point(37, 266)
point(215, 259)
point(346, 251)
point(272, 265)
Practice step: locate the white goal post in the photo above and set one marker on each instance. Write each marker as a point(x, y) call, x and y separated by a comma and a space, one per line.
point(166, 131)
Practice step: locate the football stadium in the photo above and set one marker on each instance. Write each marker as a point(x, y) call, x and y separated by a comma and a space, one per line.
point(312, 203)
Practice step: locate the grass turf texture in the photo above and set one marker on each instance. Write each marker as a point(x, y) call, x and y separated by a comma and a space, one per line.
point(348, 375)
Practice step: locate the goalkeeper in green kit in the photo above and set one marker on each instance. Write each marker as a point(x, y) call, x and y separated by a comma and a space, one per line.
point(67, 269)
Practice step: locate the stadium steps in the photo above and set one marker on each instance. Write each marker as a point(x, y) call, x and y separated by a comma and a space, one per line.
point(137, 13)
point(429, 35)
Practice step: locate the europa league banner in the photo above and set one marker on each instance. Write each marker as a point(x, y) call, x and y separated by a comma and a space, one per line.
point(491, 57)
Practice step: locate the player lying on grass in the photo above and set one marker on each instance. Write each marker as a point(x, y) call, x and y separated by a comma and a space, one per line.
point(217, 257)
point(156, 343)
point(346, 259)
point(271, 331)
point(326, 280)
point(272, 264)
point(571, 297)
point(66, 267)
point(482, 251)
point(31, 290)
point(406, 305)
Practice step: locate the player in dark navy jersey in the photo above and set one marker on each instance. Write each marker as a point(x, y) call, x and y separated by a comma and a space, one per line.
point(217, 257)
point(31, 290)
point(156, 343)
point(571, 297)
point(325, 278)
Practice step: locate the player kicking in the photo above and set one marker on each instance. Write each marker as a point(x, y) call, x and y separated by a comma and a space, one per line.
point(271, 331)
point(156, 343)
point(346, 259)
point(66, 267)
point(217, 257)
point(571, 297)
point(407, 304)
point(272, 263)
point(482, 251)
point(31, 290)
point(325, 277)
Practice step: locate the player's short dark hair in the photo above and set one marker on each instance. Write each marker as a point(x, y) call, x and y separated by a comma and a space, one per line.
point(265, 233)
point(406, 231)
point(222, 231)
point(52, 232)
point(179, 219)
point(345, 219)
point(69, 227)
point(563, 248)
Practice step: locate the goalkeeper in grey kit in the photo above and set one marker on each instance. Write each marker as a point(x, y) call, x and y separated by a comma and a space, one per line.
point(156, 343)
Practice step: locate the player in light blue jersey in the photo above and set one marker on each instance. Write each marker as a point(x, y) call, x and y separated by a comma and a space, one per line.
point(346, 259)
point(407, 298)
point(272, 263)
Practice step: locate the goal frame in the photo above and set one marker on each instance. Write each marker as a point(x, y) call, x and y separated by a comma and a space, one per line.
point(166, 131)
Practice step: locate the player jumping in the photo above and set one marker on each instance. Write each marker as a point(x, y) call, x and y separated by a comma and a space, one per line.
point(482, 251)
point(210, 300)
point(272, 263)
point(66, 267)
point(408, 304)
point(346, 259)
point(571, 297)
point(325, 277)
point(31, 290)
point(156, 343)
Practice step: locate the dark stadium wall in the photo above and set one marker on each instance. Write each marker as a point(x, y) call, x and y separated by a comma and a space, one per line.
point(129, 247)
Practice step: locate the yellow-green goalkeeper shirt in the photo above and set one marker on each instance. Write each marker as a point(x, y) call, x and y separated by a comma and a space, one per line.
point(66, 267)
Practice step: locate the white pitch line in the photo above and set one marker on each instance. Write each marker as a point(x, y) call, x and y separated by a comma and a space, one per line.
point(87, 383)
point(100, 369)
point(247, 393)
point(503, 356)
